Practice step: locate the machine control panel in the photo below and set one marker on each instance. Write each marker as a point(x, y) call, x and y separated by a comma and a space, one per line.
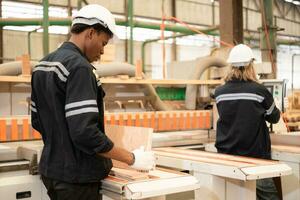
point(278, 89)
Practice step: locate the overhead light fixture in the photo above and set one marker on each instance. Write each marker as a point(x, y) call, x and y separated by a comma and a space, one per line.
point(296, 2)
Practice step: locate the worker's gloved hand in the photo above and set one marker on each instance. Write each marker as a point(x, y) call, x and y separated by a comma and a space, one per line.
point(144, 160)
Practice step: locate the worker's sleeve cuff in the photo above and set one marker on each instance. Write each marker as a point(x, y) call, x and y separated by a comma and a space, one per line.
point(106, 147)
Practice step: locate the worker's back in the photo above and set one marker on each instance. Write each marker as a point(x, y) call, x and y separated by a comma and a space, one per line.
point(243, 107)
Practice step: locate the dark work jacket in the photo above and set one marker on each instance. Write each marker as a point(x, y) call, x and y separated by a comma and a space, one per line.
point(244, 107)
point(67, 109)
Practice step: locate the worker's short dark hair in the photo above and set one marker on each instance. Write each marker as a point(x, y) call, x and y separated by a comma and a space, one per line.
point(78, 28)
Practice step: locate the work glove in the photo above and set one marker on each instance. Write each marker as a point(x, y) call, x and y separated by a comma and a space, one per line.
point(143, 160)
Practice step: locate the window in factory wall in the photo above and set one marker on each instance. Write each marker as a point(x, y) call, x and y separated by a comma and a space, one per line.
point(284, 65)
point(29, 10)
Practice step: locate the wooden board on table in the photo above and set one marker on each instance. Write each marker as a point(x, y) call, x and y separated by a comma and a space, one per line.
point(129, 138)
point(128, 174)
point(216, 158)
point(159, 81)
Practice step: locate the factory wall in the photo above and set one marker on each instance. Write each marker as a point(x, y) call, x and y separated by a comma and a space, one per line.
point(15, 43)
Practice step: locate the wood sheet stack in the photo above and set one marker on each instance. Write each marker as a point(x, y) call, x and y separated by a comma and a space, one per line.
point(129, 138)
point(292, 118)
point(292, 114)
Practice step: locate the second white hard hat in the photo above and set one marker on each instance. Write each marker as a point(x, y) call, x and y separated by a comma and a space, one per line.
point(240, 55)
point(93, 14)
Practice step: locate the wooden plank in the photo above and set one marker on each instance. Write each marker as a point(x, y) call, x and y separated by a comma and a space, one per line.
point(218, 156)
point(145, 120)
point(121, 120)
point(26, 68)
point(138, 70)
point(17, 79)
point(137, 119)
point(159, 81)
point(167, 122)
point(129, 174)
point(27, 79)
point(194, 121)
point(3, 136)
point(129, 119)
point(188, 121)
point(129, 138)
point(25, 133)
point(153, 121)
point(201, 121)
point(160, 122)
point(207, 121)
point(203, 160)
point(36, 134)
point(202, 167)
point(112, 120)
point(173, 121)
point(181, 121)
point(14, 130)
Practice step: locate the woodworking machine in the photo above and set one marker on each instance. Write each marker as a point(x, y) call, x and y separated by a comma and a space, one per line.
point(285, 148)
point(19, 177)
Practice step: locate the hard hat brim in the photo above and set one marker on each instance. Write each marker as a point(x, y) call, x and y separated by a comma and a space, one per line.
point(93, 21)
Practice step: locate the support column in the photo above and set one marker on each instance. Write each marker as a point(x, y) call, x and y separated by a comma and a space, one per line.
point(268, 43)
point(174, 46)
point(231, 21)
point(45, 27)
point(1, 35)
point(126, 40)
point(130, 21)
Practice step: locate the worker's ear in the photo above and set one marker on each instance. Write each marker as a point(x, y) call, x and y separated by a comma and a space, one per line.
point(90, 33)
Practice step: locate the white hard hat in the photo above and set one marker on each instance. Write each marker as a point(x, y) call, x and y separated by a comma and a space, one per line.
point(94, 14)
point(240, 55)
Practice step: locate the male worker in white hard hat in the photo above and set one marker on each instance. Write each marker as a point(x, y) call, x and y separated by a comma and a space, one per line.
point(244, 106)
point(67, 109)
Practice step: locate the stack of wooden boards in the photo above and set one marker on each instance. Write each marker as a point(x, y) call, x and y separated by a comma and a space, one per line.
point(129, 138)
point(292, 113)
point(18, 128)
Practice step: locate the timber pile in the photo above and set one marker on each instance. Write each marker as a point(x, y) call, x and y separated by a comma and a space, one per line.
point(292, 114)
point(129, 174)
point(294, 100)
point(292, 118)
point(129, 138)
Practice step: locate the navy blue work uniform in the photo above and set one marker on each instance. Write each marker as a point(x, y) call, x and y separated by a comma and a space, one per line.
point(244, 107)
point(67, 109)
